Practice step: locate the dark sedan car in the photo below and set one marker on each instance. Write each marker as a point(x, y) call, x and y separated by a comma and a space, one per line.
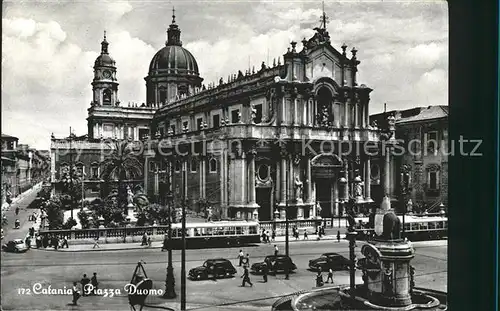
point(218, 268)
point(274, 264)
point(328, 261)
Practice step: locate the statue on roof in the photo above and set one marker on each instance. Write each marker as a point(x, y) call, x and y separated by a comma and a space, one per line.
point(240, 74)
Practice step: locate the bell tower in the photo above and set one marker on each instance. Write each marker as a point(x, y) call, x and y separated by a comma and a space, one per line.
point(105, 84)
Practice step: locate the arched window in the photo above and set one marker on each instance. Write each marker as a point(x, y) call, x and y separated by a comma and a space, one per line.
point(194, 164)
point(106, 97)
point(213, 165)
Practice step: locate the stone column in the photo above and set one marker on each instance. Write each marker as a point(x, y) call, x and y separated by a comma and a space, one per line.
point(243, 178)
point(304, 105)
point(251, 177)
point(346, 112)
point(387, 172)
point(332, 198)
point(356, 112)
point(368, 178)
point(283, 111)
point(346, 172)
point(314, 200)
point(221, 178)
point(335, 186)
point(202, 184)
point(283, 179)
point(295, 112)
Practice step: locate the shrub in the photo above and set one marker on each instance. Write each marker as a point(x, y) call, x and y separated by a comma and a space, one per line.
point(84, 219)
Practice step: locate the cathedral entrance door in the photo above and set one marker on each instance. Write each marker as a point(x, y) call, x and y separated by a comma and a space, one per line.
point(324, 196)
point(263, 198)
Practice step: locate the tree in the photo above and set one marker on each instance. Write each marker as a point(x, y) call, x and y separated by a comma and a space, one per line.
point(55, 215)
point(121, 165)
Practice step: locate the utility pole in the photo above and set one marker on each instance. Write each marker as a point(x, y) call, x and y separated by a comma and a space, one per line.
point(183, 253)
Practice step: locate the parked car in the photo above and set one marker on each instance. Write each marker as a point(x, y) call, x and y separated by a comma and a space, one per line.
point(274, 264)
point(328, 261)
point(218, 267)
point(15, 246)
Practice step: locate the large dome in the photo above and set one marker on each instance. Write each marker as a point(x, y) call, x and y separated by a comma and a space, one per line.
point(173, 59)
point(104, 60)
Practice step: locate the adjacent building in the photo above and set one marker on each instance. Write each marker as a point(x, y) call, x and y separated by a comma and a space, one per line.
point(423, 167)
point(22, 167)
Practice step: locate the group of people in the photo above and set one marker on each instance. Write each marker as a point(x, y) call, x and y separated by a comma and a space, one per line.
point(265, 236)
point(319, 278)
point(243, 260)
point(146, 241)
point(85, 290)
point(295, 233)
point(47, 240)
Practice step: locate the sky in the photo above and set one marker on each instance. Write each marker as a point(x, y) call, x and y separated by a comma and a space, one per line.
point(49, 48)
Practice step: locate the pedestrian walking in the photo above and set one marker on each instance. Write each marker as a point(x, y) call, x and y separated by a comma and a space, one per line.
point(263, 236)
point(305, 235)
point(240, 257)
point(165, 243)
point(17, 210)
point(247, 260)
point(28, 242)
point(319, 279)
point(96, 242)
point(38, 241)
point(264, 273)
point(267, 237)
point(273, 235)
point(338, 236)
point(64, 242)
point(276, 250)
point(144, 239)
point(94, 283)
point(84, 281)
point(246, 278)
point(76, 293)
point(55, 242)
point(17, 224)
point(150, 242)
point(330, 276)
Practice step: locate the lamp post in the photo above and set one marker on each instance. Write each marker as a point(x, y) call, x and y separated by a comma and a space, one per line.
point(170, 280)
point(287, 251)
point(351, 236)
point(183, 252)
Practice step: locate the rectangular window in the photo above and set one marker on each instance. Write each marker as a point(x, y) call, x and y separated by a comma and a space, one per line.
point(185, 126)
point(199, 124)
point(94, 189)
point(172, 129)
point(107, 130)
point(432, 141)
point(258, 114)
point(216, 120)
point(94, 172)
point(143, 133)
point(193, 166)
point(235, 116)
point(163, 96)
point(433, 180)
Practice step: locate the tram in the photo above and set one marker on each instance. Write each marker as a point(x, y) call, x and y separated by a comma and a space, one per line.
point(416, 228)
point(216, 234)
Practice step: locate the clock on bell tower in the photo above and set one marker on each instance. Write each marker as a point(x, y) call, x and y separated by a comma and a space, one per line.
point(105, 84)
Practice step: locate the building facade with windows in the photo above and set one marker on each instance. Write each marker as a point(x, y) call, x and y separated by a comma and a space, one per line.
point(287, 137)
point(423, 167)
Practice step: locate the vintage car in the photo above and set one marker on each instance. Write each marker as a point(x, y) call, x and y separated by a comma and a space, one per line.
point(328, 261)
point(218, 268)
point(274, 264)
point(15, 246)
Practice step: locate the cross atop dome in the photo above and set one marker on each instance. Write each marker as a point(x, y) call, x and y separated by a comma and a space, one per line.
point(104, 45)
point(173, 32)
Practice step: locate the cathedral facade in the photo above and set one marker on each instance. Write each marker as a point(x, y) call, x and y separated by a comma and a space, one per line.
point(292, 136)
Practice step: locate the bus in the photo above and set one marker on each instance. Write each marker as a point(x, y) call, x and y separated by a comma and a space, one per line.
point(216, 234)
point(416, 228)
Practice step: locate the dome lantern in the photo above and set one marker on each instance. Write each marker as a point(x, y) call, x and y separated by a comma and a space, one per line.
point(173, 32)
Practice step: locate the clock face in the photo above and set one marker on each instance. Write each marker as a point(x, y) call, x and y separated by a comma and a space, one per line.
point(106, 74)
